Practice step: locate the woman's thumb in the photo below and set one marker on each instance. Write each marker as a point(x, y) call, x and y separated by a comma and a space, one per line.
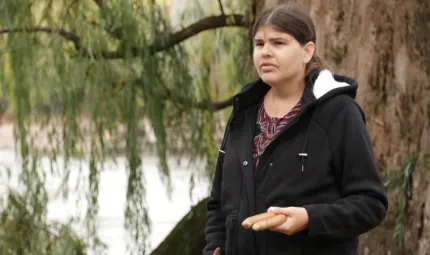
point(217, 251)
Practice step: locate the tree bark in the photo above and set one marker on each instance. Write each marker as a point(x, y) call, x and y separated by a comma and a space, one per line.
point(385, 45)
point(187, 238)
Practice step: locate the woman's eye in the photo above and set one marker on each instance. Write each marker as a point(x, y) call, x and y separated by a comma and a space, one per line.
point(279, 43)
point(259, 45)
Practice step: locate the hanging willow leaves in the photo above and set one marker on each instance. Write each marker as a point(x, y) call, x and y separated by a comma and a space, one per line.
point(85, 80)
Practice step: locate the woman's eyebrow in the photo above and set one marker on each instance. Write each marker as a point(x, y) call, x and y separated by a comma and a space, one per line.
point(276, 38)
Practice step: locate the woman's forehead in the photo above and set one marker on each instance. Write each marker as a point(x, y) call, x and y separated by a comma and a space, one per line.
point(270, 31)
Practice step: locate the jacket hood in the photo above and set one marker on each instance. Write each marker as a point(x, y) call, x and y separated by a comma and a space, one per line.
point(320, 87)
point(325, 85)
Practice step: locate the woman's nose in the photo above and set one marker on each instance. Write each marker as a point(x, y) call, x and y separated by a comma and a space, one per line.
point(266, 51)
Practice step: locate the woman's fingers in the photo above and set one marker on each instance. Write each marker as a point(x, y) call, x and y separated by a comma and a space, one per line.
point(217, 251)
point(269, 223)
point(249, 222)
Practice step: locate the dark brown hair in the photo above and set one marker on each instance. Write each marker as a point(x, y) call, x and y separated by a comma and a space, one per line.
point(294, 21)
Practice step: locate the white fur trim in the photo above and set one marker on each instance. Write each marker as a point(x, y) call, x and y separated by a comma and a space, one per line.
point(325, 83)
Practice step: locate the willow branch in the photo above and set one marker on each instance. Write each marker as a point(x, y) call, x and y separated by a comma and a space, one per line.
point(212, 22)
point(214, 106)
point(63, 33)
point(69, 36)
point(221, 7)
point(99, 3)
point(203, 105)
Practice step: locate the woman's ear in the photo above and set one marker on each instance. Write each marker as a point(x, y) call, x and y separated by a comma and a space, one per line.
point(309, 50)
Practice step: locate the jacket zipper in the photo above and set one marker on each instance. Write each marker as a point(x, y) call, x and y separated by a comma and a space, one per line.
point(252, 139)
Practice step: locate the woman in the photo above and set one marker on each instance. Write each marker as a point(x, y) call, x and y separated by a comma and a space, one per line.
point(296, 144)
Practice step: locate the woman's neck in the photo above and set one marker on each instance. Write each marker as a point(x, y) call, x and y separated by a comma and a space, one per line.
point(280, 99)
point(288, 91)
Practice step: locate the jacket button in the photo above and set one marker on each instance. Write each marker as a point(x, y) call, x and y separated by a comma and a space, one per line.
point(245, 163)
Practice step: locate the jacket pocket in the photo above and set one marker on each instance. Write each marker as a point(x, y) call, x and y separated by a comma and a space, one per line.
point(231, 235)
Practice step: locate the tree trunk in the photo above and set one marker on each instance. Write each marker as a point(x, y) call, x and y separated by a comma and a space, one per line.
point(385, 45)
point(187, 238)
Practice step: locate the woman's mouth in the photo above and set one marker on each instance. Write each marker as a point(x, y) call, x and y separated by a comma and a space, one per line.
point(267, 66)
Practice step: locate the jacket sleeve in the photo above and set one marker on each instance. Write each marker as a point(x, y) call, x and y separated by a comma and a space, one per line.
point(215, 226)
point(363, 204)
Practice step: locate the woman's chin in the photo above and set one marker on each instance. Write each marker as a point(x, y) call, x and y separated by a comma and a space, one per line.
point(269, 78)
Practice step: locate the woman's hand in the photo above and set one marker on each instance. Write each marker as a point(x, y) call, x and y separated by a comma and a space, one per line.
point(217, 251)
point(297, 219)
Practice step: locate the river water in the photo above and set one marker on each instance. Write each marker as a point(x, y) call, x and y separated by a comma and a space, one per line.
point(164, 212)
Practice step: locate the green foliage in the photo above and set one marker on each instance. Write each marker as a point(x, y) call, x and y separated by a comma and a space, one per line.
point(86, 79)
point(21, 233)
point(404, 193)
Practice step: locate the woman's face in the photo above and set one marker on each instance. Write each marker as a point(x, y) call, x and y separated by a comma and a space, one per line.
point(278, 56)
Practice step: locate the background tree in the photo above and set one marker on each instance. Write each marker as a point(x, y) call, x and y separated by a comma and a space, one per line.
point(385, 46)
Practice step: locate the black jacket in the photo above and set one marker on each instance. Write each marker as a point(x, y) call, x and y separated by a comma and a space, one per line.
point(337, 182)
